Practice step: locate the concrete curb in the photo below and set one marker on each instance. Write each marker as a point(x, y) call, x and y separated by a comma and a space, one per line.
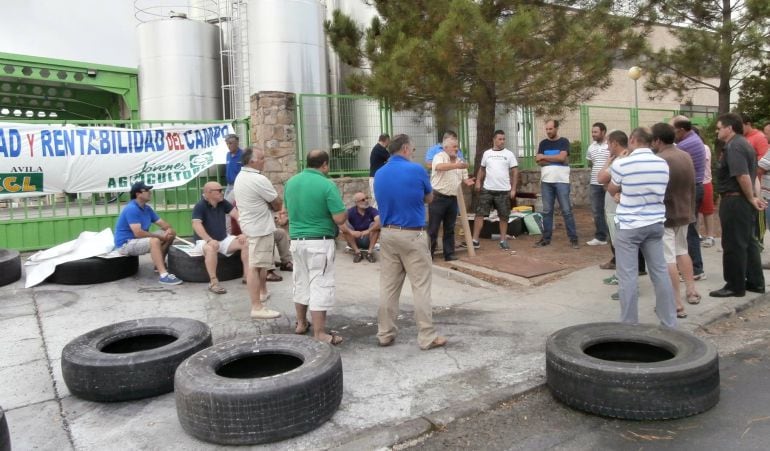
point(385, 437)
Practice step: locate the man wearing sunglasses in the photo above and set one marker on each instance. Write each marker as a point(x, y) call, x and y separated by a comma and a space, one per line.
point(362, 229)
point(209, 226)
point(132, 235)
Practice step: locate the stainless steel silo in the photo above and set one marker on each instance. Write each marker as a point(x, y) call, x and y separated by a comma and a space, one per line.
point(287, 52)
point(179, 69)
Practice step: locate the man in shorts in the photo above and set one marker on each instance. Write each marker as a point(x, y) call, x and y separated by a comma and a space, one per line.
point(132, 235)
point(315, 210)
point(210, 232)
point(256, 197)
point(496, 183)
point(680, 213)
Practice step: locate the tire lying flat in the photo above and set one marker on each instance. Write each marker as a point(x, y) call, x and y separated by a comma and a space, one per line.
point(94, 270)
point(636, 372)
point(10, 266)
point(193, 269)
point(131, 360)
point(5, 435)
point(258, 390)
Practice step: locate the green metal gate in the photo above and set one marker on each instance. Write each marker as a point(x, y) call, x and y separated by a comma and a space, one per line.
point(32, 223)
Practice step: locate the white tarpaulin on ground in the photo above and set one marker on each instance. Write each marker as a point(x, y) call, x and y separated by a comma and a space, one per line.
point(89, 244)
point(48, 159)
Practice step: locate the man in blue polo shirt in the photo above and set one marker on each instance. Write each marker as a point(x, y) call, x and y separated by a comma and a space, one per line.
point(233, 165)
point(132, 235)
point(402, 188)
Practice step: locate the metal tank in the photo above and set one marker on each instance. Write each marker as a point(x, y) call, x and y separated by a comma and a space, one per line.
point(287, 52)
point(179, 69)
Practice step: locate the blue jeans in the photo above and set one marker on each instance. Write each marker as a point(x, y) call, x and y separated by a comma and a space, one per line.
point(627, 245)
point(693, 240)
point(597, 209)
point(550, 192)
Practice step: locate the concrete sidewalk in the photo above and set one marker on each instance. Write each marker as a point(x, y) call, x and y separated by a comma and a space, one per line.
point(496, 349)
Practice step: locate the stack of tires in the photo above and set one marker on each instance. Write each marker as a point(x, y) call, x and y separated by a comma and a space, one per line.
point(251, 391)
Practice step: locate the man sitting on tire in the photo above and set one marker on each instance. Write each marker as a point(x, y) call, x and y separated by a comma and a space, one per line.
point(209, 225)
point(132, 235)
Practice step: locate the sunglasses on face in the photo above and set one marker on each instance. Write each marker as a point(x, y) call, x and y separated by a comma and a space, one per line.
point(362, 200)
point(217, 190)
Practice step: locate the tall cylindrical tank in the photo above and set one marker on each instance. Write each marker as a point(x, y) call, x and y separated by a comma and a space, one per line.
point(287, 46)
point(179, 70)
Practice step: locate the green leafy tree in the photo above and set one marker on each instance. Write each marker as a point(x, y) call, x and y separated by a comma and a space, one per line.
point(719, 41)
point(754, 96)
point(442, 55)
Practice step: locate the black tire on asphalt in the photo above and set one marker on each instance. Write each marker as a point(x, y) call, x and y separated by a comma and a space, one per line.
point(131, 360)
point(93, 270)
point(193, 269)
point(258, 390)
point(632, 371)
point(5, 435)
point(10, 266)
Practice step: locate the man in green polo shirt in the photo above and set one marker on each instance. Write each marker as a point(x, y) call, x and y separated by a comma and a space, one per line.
point(315, 209)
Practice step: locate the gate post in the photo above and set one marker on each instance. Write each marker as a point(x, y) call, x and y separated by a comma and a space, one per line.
point(273, 129)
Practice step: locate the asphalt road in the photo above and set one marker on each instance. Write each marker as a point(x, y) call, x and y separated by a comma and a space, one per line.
point(536, 421)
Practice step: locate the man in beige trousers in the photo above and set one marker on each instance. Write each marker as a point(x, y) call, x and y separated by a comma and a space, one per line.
point(402, 188)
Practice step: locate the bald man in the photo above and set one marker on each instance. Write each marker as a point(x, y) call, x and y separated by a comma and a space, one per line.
point(208, 223)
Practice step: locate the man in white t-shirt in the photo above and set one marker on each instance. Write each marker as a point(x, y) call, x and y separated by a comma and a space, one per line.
point(496, 184)
point(553, 159)
point(597, 155)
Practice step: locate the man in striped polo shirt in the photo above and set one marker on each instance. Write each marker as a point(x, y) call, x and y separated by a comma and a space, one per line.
point(641, 179)
point(597, 155)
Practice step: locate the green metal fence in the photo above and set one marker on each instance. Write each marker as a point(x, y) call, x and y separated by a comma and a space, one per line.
point(31, 223)
point(348, 127)
point(619, 118)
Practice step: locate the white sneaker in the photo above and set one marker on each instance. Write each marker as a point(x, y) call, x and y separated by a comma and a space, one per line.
point(595, 242)
point(377, 247)
point(265, 313)
point(708, 241)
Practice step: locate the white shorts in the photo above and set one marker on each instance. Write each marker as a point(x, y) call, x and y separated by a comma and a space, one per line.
point(224, 245)
point(313, 273)
point(674, 243)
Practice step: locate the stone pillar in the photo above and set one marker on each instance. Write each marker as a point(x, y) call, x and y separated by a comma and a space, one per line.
point(274, 129)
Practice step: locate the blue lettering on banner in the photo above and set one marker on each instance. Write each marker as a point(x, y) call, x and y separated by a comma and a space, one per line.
point(10, 146)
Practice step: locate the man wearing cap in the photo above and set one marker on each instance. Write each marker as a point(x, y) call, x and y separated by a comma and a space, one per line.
point(208, 223)
point(132, 235)
point(233, 164)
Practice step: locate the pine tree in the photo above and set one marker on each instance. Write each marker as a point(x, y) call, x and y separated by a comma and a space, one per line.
point(718, 40)
point(476, 54)
point(754, 97)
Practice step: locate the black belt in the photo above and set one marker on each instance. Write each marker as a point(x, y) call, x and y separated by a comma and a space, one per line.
point(731, 193)
point(311, 238)
point(437, 194)
point(398, 227)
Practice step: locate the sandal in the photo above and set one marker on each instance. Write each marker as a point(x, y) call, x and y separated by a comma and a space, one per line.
point(273, 277)
point(299, 330)
point(215, 288)
point(680, 313)
point(288, 266)
point(693, 298)
point(334, 340)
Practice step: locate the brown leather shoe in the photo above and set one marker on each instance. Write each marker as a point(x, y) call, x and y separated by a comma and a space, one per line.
point(436, 343)
point(608, 265)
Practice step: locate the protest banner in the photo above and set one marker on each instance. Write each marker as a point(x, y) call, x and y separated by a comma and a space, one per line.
point(48, 159)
